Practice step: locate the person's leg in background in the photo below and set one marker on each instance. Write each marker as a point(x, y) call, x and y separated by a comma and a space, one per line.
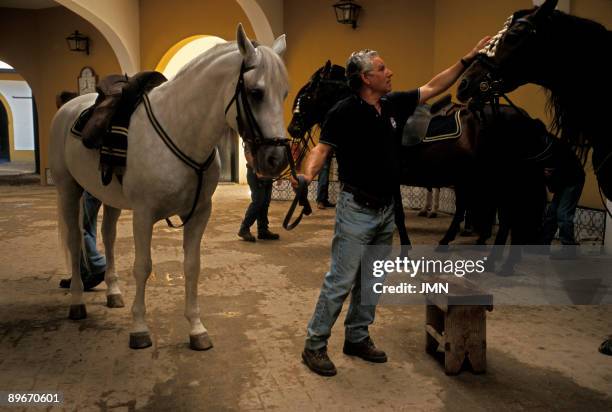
point(253, 211)
point(93, 263)
point(263, 232)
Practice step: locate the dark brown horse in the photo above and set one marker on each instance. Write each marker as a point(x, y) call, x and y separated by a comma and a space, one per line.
point(567, 55)
point(509, 140)
point(570, 57)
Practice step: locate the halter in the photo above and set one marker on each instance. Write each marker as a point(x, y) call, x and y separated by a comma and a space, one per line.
point(252, 135)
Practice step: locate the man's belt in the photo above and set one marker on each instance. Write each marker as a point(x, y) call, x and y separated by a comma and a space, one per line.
point(366, 199)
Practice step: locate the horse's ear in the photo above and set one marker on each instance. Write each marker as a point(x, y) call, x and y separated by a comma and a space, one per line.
point(545, 9)
point(245, 46)
point(280, 44)
point(326, 70)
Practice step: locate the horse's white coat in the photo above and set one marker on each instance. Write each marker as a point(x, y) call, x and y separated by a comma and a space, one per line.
point(156, 183)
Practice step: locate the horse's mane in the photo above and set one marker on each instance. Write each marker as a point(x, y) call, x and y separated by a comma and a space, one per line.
point(584, 42)
point(276, 76)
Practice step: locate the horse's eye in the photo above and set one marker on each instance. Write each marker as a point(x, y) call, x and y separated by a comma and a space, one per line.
point(256, 94)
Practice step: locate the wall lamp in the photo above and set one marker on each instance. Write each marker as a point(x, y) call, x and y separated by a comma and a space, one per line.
point(78, 42)
point(347, 12)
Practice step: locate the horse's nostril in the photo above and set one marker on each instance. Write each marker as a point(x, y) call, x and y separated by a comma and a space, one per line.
point(463, 84)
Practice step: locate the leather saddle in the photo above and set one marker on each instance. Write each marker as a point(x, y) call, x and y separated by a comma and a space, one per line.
point(418, 127)
point(118, 97)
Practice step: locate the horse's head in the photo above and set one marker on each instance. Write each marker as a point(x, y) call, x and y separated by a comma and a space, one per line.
point(325, 87)
point(257, 105)
point(512, 58)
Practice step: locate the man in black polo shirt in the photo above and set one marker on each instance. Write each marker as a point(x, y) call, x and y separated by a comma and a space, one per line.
point(364, 130)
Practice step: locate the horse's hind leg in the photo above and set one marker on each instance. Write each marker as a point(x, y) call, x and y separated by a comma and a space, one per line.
point(455, 225)
point(69, 195)
point(192, 237)
point(143, 230)
point(109, 234)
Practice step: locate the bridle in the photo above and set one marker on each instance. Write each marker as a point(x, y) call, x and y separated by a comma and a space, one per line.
point(251, 135)
point(491, 89)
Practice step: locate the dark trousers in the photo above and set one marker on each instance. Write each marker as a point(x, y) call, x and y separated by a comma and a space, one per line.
point(261, 194)
point(560, 214)
point(323, 183)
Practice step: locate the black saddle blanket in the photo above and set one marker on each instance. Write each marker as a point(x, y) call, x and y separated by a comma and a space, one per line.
point(444, 127)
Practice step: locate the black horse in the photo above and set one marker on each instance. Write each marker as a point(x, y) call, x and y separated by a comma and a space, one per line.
point(567, 56)
point(491, 162)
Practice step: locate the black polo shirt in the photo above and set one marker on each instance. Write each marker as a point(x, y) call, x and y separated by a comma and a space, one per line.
point(367, 143)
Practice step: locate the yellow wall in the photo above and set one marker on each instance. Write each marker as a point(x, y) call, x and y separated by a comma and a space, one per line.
point(11, 76)
point(34, 43)
point(400, 30)
point(162, 24)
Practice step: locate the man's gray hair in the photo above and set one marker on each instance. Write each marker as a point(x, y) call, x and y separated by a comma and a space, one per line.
point(359, 62)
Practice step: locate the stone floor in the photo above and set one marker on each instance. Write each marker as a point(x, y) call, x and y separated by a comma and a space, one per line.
point(256, 300)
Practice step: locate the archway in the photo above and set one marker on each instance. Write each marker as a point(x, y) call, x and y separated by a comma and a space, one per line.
point(173, 60)
point(4, 134)
point(18, 123)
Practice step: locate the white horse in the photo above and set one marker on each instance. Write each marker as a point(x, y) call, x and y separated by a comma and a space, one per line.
point(233, 87)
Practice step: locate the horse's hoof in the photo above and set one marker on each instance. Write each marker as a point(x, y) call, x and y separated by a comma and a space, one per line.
point(140, 340)
point(422, 213)
point(200, 342)
point(432, 215)
point(114, 301)
point(77, 312)
point(442, 247)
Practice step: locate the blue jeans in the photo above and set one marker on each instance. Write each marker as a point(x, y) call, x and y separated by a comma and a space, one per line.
point(92, 261)
point(356, 226)
point(560, 214)
point(261, 194)
point(323, 183)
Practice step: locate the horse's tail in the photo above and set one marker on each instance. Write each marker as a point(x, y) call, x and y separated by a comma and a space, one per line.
point(62, 232)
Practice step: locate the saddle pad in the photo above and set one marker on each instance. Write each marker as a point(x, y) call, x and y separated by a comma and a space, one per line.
point(79, 124)
point(113, 152)
point(443, 128)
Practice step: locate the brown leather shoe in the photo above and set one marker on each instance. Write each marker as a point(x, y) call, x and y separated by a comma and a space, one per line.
point(366, 350)
point(318, 362)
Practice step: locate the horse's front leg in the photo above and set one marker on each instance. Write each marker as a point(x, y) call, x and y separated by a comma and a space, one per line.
point(109, 234)
point(192, 237)
point(143, 230)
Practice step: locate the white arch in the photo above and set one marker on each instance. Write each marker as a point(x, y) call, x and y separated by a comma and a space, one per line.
point(119, 23)
point(259, 21)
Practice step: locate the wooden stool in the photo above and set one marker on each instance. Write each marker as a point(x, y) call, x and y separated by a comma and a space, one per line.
point(455, 328)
